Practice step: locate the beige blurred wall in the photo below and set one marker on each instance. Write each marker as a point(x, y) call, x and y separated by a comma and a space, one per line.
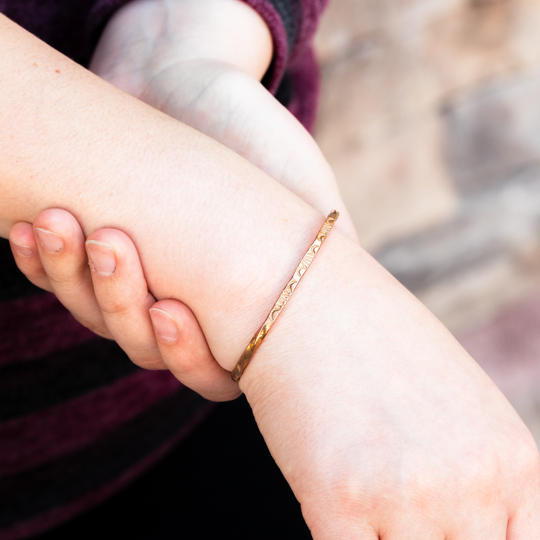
point(430, 118)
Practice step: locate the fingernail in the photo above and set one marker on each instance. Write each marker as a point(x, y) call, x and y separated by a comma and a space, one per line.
point(164, 325)
point(25, 251)
point(50, 241)
point(101, 258)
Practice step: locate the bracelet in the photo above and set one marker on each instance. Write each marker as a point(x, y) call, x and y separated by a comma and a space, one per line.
point(257, 339)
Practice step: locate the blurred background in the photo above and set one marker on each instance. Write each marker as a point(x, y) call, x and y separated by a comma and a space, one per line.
point(430, 118)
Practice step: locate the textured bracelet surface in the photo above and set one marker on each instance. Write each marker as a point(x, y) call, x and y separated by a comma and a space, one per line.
point(257, 339)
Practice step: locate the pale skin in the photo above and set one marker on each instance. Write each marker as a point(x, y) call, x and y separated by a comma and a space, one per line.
point(216, 90)
point(381, 423)
point(210, 82)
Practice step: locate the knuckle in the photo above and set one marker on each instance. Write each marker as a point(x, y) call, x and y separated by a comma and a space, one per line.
point(65, 275)
point(345, 495)
point(185, 365)
point(118, 303)
point(339, 516)
point(63, 280)
point(28, 266)
point(114, 306)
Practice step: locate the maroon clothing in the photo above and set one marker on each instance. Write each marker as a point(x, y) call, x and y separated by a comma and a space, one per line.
point(77, 419)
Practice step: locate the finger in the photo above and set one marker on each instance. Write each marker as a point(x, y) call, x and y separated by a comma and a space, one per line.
point(26, 254)
point(122, 294)
point(185, 352)
point(60, 242)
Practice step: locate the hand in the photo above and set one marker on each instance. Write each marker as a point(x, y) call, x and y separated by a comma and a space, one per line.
point(115, 302)
point(215, 97)
point(381, 423)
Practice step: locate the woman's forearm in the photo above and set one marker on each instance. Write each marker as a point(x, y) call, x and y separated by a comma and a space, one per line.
point(212, 230)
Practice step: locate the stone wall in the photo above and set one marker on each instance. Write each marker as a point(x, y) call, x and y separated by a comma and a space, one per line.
point(430, 118)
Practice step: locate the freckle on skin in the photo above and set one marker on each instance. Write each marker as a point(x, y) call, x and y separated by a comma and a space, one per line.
point(35, 64)
point(57, 71)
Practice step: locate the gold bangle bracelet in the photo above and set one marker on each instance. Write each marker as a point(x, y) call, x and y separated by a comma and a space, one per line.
point(257, 339)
